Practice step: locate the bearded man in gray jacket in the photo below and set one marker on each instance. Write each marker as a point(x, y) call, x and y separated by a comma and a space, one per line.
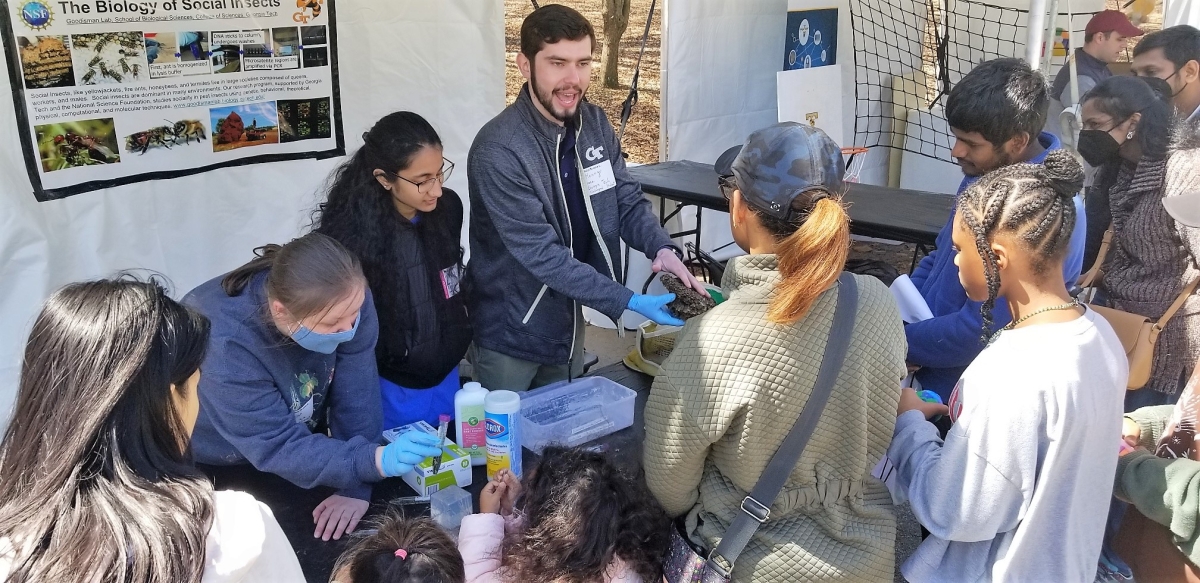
point(551, 202)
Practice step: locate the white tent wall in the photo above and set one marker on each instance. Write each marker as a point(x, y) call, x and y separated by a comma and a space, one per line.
point(443, 59)
point(1176, 12)
point(719, 82)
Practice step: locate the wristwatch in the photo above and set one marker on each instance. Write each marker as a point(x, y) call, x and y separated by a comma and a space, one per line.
point(676, 250)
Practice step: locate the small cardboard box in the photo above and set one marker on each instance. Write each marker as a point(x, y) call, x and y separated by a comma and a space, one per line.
point(456, 463)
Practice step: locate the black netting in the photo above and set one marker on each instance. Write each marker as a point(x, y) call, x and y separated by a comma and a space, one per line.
point(909, 53)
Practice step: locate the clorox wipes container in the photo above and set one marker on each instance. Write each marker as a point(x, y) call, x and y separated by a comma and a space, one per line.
point(502, 413)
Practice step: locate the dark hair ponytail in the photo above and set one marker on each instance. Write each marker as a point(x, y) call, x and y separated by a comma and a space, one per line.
point(306, 275)
point(1035, 203)
point(235, 281)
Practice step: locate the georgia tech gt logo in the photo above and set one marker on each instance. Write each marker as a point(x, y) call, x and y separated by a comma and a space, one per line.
point(594, 153)
point(302, 15)
point(36, 14)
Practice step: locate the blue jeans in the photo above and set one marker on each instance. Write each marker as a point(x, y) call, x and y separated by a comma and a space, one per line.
point(1135, 400)
point(402, 405)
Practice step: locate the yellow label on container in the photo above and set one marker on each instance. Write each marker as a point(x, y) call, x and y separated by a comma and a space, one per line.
point(495, 463)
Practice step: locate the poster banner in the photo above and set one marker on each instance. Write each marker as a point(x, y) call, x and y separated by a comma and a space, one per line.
point(811, 39)
point(111, 92)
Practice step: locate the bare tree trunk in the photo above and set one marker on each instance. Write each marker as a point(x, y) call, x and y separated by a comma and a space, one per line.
point(616, 20)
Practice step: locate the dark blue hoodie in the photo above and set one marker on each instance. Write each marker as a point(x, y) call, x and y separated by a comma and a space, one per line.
point(262, 395)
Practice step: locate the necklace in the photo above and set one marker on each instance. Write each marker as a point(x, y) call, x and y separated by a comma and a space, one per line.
point(1067, 306)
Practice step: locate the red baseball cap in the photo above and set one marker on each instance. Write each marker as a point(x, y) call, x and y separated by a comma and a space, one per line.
point(1110, 20)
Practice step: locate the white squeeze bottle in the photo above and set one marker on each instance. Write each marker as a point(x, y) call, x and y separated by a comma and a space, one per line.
point(469, 424)
point(503, 419)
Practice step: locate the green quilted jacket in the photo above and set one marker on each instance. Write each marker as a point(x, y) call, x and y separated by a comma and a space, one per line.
point(728, 395)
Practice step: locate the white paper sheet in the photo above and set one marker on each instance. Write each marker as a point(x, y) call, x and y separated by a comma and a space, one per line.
point(912, 306)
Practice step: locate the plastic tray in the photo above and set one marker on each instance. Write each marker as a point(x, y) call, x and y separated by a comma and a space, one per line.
point(576, 412)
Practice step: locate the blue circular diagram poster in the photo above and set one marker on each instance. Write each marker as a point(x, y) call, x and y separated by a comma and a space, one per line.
point(811, 39)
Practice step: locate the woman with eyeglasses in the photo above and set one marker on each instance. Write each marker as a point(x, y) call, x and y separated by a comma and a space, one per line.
point(387, 204)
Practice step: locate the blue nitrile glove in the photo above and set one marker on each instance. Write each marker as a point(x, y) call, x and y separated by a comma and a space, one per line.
point(409, 449)
point(152, 50)
point(655, 308)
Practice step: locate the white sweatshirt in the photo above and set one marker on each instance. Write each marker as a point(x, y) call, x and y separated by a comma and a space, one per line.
point(244, 545)
point(1020, 489)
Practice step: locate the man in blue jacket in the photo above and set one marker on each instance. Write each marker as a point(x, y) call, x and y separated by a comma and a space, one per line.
point(997, 112)
point(551, 202)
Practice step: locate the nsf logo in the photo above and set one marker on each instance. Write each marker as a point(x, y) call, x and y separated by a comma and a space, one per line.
point(36, 14)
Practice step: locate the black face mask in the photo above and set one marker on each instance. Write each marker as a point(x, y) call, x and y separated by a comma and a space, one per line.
point(1097, 147)
point(1168, 80)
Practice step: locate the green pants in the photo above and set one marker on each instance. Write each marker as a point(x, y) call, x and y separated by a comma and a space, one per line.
point(496, 370)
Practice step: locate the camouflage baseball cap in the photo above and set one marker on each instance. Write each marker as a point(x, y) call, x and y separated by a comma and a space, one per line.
point(782, 162)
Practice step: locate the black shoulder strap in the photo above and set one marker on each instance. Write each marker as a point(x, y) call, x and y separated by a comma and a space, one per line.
point(756, 508)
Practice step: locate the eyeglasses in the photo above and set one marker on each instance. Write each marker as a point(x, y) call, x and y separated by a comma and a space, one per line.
point(425, 186)
point(728, 185)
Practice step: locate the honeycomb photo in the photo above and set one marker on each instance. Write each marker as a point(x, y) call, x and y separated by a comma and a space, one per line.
point(46, 61)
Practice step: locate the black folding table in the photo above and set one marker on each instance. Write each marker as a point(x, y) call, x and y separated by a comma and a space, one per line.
point(897, 214)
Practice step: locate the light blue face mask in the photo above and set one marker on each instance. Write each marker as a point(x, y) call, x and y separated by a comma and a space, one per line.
point(323, 343)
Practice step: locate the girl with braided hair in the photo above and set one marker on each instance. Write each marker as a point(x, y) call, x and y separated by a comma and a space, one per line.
point(1019, 489)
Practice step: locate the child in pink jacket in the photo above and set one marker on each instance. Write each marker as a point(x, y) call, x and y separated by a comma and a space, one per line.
point(578, 519)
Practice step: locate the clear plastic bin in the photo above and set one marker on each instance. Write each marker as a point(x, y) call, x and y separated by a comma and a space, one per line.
point(571, 413)
point(449, 506)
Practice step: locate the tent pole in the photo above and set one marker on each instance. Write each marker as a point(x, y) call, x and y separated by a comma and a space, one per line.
point(1035, 26)
point(1071, 128)
point(663, 86)
point(1048, 59)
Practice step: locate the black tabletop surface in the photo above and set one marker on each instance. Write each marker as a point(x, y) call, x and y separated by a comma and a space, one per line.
point(911, 216)
point(293, 505)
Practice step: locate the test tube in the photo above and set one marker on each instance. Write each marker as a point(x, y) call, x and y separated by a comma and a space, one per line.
point(443, 424)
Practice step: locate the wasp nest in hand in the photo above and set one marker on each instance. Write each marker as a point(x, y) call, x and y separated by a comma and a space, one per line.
point(688, 303)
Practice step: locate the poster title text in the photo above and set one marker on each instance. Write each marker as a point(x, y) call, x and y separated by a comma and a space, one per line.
point(152, 7)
